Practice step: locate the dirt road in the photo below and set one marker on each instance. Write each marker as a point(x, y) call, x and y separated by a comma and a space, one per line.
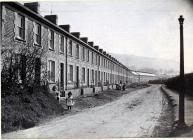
point(133, 115)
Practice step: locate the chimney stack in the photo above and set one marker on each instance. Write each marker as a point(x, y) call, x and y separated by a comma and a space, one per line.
point(101, 50)
point(52, 18)
point(76, 34)
point(96, 47)
point(91, 43)
point(34, 6)
point(65, 27)
point(84, 39)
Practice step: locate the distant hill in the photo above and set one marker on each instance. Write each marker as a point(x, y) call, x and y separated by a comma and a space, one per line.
point(147, 64)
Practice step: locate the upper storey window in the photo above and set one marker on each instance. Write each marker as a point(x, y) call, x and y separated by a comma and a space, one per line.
point(77, 51)
point(62, 44)
point(88, 56)
point(51, 47)
point(38, 34)
point(92, 57)
point(70, 48)
point(21, 27)
point(83, 53)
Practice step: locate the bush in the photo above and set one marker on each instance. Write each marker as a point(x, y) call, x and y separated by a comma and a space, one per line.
point(24, 110)
point(175, 83)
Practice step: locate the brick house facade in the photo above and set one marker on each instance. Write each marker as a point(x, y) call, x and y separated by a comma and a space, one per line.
point(70, 61)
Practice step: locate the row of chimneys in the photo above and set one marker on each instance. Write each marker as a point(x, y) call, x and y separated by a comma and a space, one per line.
point(34, 6)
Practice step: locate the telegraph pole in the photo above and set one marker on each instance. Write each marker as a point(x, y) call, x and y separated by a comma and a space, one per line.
point(182, 92)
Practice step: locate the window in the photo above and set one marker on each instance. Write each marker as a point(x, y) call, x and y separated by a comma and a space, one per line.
point(70, 73)
point(92, 59)
point(51, 47)
point(83, 75)
point(83, 53)
point(92, 73)
point(77, 51)
point(70, 48)
point(21, 27)
point(62, 44)
point(88, 55)
point(38, 34)
point(99, 76)
point(51, 70)
point(96, 59)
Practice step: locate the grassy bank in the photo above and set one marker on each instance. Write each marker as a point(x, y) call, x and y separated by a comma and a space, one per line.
point(25, 110)
point(175, 83)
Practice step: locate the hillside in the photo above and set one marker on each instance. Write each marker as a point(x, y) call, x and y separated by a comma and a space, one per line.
point(153, 65)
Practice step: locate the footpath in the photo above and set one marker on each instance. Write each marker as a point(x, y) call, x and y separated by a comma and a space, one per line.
point(174, 97)
point(132, 115)
point(92, 100)
point(97, 99)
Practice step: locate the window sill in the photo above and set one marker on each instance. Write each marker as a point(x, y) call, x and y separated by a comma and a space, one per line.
point(51, 49)
point(69, 55)
point(38, 45)
point(20, 39)
point(61, 52)
point(52, 82)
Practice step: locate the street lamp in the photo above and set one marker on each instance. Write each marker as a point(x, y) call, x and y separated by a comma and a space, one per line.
point(181, 95)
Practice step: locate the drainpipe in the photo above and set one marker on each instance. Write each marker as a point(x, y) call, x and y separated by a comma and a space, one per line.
point(66, 63)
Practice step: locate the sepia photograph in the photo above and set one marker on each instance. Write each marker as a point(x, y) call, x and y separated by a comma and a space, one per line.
point(96, 69)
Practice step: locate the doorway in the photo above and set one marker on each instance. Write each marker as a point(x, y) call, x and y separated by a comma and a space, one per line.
point(61, 76)
point(77, 76)
point(88, 77)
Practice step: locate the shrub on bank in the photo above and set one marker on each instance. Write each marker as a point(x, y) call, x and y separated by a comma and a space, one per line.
point(23, 110)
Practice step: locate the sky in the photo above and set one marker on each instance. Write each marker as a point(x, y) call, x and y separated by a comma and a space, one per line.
point(147, 28)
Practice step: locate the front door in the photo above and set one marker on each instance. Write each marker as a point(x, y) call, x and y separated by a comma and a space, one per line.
point(77, 76)
point(88, 77)
point(61, 76)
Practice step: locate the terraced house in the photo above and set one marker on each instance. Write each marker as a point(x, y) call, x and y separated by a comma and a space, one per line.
point(70, 61)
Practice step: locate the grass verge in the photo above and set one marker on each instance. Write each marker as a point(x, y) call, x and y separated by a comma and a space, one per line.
point(21, 111)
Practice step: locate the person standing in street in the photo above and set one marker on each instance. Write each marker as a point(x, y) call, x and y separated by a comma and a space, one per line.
point(69, 101)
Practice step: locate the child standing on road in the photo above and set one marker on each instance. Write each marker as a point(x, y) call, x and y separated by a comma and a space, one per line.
point(69, 101)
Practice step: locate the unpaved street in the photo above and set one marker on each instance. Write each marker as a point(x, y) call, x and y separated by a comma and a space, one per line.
point(133, 115)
